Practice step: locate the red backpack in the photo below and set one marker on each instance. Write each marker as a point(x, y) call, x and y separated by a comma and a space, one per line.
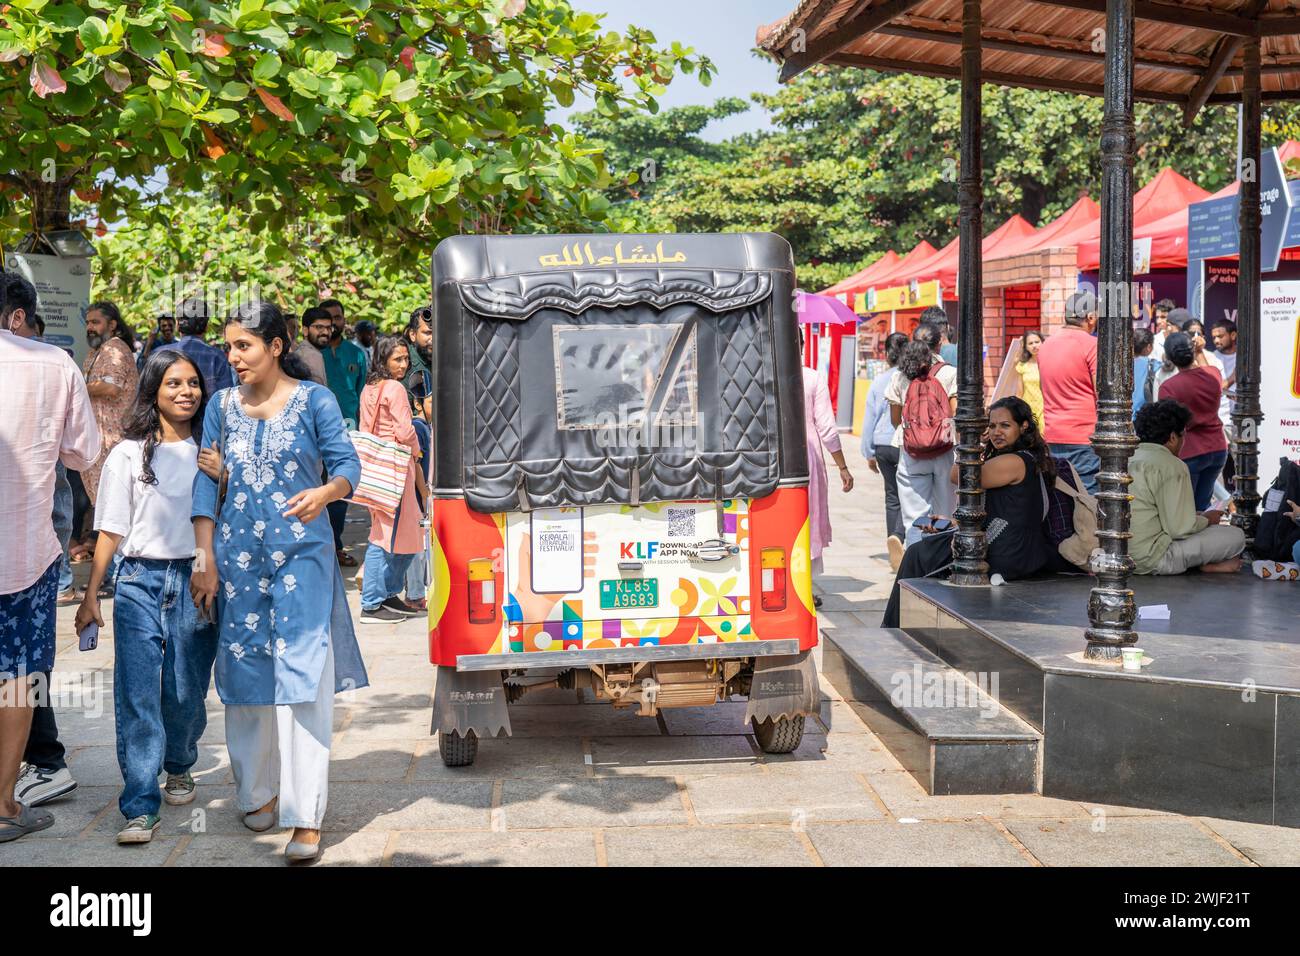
point(926, 411)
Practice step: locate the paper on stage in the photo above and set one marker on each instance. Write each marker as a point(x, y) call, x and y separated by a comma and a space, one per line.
point(1154, 612)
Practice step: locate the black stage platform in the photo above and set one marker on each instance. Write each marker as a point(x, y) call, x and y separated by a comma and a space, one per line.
point(1211, 726)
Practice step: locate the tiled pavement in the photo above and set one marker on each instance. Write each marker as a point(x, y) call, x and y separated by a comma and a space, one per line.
point(582, 784)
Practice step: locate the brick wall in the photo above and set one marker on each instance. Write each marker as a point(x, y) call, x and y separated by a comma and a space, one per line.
point(1023, 311)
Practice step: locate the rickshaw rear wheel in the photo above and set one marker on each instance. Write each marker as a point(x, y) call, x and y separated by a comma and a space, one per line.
point(780, 736)
point(457, 750)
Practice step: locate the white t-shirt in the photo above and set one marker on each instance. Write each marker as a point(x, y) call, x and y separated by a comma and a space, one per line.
point(896, 391)
point(153, 520)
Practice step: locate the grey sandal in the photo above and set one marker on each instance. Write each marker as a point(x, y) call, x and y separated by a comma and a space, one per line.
point(28, 820)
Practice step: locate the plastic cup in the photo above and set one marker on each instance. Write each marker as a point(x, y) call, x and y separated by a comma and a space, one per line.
point(1132, 658)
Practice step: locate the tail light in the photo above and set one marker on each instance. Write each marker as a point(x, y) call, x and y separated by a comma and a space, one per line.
point(482, 591)
point(772, 561)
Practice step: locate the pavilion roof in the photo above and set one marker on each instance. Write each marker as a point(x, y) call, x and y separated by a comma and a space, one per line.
point(1187, 53)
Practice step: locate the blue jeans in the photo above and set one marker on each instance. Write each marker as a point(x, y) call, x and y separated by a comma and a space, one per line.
point(384, 576)
point(162, 668)
point(62, 517)
point(1205, 470)
point(1084, 460)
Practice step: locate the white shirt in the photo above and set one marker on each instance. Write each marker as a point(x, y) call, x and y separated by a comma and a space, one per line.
point(896, 391)
point(47, 418)
point(153, 520)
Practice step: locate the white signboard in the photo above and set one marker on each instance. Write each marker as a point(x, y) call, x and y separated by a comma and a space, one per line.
point(1279, 376)
point(62, 294)
point(1141, 256)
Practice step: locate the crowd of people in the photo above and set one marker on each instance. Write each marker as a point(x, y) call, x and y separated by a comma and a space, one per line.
point(1039, 465)
point(203, 468)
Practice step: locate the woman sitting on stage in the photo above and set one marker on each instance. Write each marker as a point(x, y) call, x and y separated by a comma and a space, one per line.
point(1017, 463)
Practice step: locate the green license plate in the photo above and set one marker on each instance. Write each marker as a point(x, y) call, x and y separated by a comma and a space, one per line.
point(617, 595)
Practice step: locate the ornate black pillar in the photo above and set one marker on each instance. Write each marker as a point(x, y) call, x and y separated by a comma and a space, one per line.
point(1246, 413)
point(1111, 609)
point(969, 545)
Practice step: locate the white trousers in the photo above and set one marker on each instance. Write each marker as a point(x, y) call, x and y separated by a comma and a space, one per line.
point(924, 487)
point(284, 750)
point(1209, 545)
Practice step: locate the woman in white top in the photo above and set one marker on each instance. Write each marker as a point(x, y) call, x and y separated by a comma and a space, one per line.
point(163, 646)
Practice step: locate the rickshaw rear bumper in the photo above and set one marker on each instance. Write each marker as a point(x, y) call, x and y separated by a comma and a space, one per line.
point(729, 650)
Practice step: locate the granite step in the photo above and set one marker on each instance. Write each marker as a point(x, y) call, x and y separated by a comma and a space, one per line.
point(947, 728)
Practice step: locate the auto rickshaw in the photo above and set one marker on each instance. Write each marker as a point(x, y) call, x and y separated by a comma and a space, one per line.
point(620, 494)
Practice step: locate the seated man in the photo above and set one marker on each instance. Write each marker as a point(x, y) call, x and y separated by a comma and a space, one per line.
point(1169, 537)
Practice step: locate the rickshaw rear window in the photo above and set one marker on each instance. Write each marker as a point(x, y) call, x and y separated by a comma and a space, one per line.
point(625, 375)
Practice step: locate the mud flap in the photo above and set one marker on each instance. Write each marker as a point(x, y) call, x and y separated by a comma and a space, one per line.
point(783, 686)
point(470, 700)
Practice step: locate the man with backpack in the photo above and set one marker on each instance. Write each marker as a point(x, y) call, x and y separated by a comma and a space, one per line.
point(923, 400)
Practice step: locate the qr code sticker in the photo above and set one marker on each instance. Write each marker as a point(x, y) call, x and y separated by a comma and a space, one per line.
point(681, 522)
point(550, 541)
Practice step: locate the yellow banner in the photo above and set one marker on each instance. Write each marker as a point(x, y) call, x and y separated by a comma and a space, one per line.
point(914, 295)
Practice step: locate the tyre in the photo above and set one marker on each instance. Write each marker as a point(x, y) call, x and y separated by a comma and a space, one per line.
point(458, 751)
point(780, 736)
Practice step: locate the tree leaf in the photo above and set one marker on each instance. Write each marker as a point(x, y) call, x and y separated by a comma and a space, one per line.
point(275, 105)
point(116, 76)
point(45, 79)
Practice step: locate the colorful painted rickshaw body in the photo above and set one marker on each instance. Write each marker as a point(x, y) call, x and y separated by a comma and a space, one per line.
point(620, 479)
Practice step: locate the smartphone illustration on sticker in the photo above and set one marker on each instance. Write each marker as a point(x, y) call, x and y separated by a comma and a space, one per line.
point(555, 537)
point(89, 636)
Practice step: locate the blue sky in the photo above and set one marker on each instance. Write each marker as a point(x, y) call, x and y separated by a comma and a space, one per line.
point(722, 30)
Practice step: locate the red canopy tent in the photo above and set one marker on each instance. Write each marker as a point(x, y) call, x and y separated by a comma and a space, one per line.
point(903, 268)
point(1168, 235)
point(943, 265)
point(860, 282)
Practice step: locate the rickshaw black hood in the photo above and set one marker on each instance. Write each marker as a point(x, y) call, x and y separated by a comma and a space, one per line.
point(518, 317)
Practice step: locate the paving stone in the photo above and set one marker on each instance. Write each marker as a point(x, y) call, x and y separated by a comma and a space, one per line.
point(839, 718)
point(635, 801)
point(977, 843)
point(72, 851)
point(1265, 845)
point(780, 798)
point(724, 717)
point(389, 723)
point(371, 760)
point(74, 812)
point(423, 806)
point(702, 846)
point(840, 753)
point(505, 757)
point(1127, 841)
point(530, 848)
point(267, 849)
point(906, 798)
point(578, 720)
point(672, 756)
point(97, 766)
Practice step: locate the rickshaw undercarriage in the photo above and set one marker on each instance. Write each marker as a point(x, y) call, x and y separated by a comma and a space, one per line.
point(781, 691)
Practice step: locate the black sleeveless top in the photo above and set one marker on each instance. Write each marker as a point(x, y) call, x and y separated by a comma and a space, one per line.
point(1022, 547)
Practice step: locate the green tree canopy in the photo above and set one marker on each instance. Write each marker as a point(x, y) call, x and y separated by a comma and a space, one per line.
point(410, 121)
point(860, 162)
point(196, 246)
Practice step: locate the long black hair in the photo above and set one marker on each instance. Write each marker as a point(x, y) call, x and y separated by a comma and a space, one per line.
point(1030, 440)
point(111, 311)
point(385, 346)
point(265, 320)
point(143, 421)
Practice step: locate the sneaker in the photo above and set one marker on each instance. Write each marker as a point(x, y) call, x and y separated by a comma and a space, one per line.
point(395, 603)
point(382, 615)
point(895, 546)
point(36, 786)
point(139, 829)
point(179, 788)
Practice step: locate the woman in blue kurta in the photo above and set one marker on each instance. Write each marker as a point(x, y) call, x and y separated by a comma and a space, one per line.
point(286, 640)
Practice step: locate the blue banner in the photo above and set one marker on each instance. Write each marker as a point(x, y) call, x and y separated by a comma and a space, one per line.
point(1212, 228)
